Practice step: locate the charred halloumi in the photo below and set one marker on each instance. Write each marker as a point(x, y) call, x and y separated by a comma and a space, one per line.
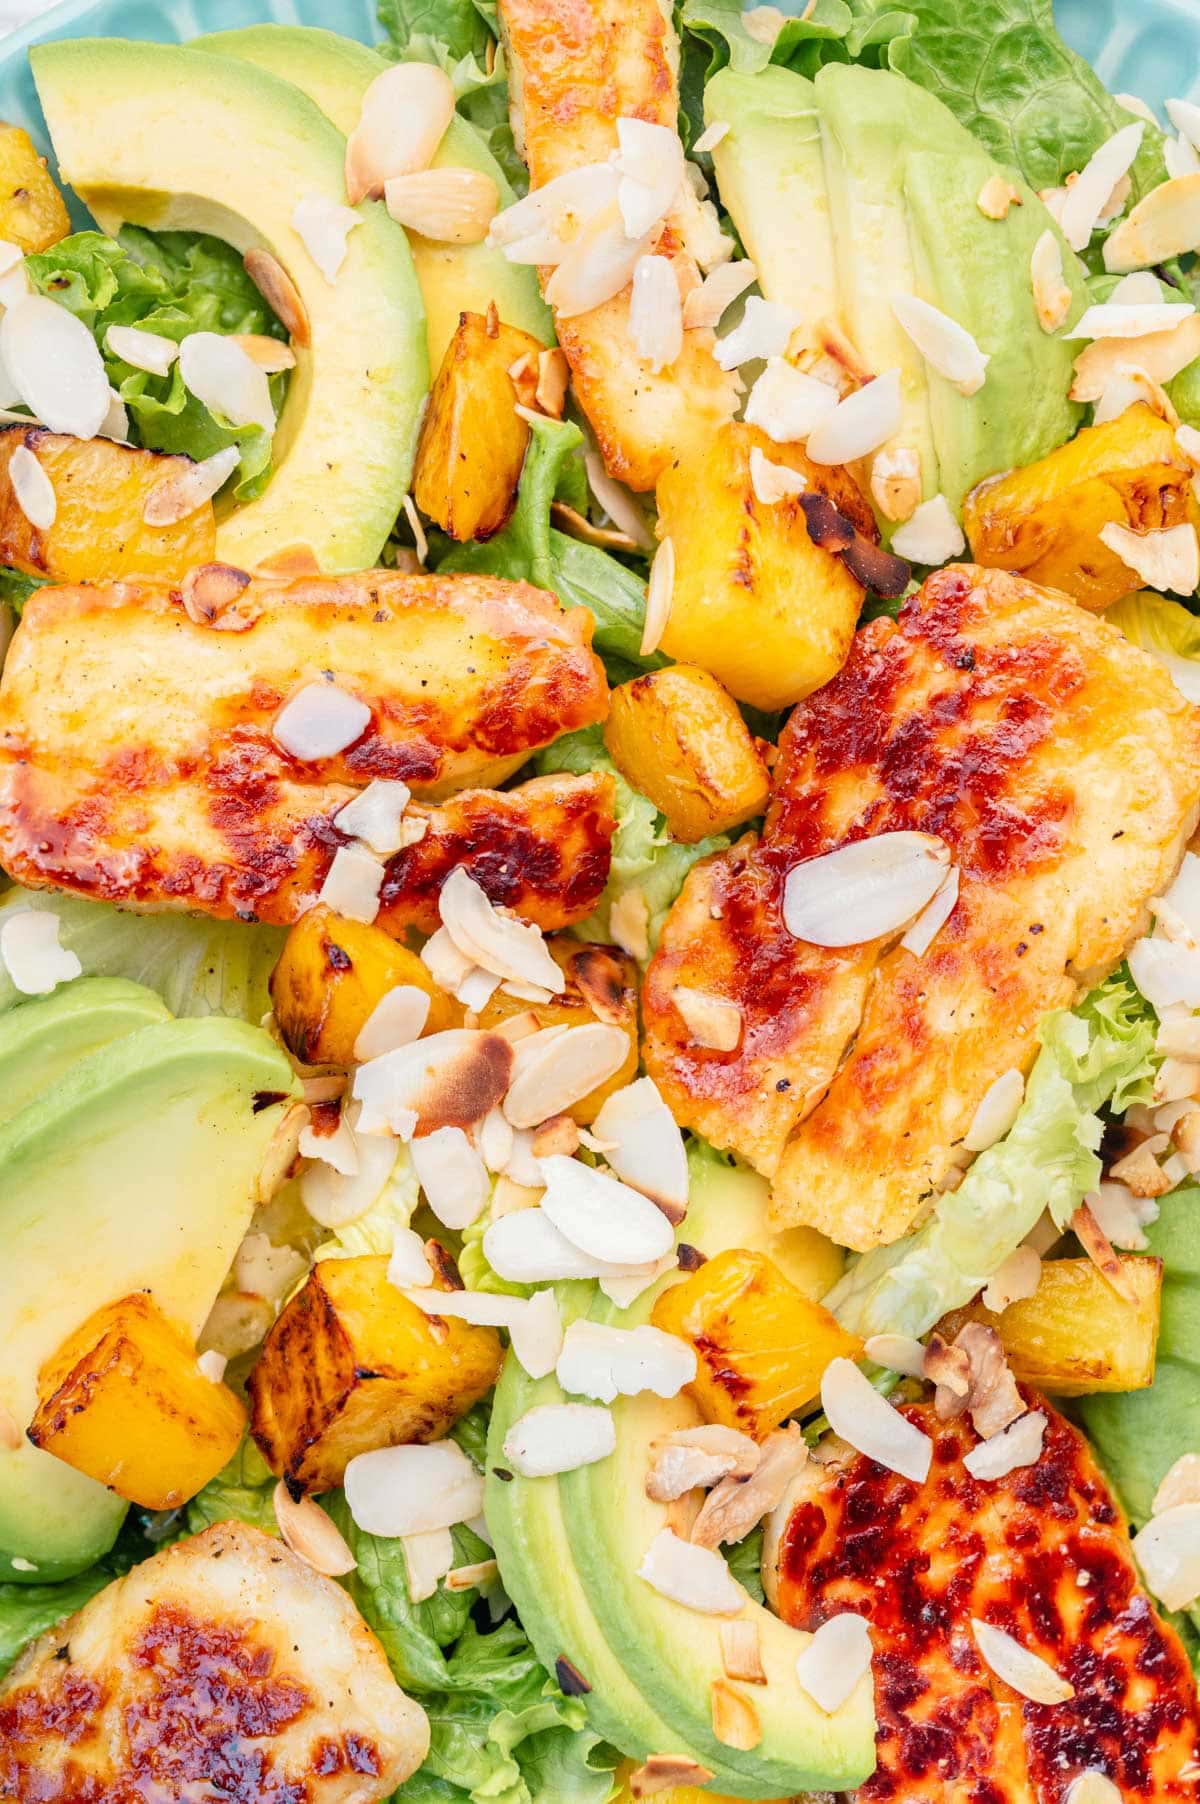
point(575, 68)
point(1042, 1554)
point(1062, 769)
point(222, 1667)
point(138, 763)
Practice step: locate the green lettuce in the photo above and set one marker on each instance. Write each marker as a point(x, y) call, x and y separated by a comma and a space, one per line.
point(241, 1492)
point(375, 1231)
point(1167, 630)
point(1099, 1055)
point(172, 283)
point(198, 966)
point(803, 43)
point(644, 857)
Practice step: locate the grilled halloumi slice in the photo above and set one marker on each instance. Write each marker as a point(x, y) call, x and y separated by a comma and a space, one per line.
point(574, 70)
point(222, 1667)
point(138, 763)
point(1061, 767)
point(1042, 1554)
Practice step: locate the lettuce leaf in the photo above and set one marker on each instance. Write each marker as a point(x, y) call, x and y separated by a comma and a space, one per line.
point(198, 966)
point(803, 43)
point(1167, 630)
point(375, 1231)
point(1100, 1054)
point(241, 1492)
point(172, 283)
point(645, 857)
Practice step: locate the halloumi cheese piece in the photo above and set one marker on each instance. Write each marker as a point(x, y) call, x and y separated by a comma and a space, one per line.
point(222, 1667)
point(1062, 769)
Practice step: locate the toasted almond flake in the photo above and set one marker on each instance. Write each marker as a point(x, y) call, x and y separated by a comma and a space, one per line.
point(734, 1719)
point(335, 1198)
point(741, 1652)
point(523, 1246)
point(449, 206)
point(311, 1534)
point(1168, 558)
point(495, 1138)
point(1175, 1081)
point(1180, 1485)
point(692, 1576)
point(551, 1075)
point(320, 721)
point(52, 360)
point(541, 227)
point(946, 346)
point(1139, 1170)
point(1051, 294)
point(448, 1079)
point(655, 314)
point(711, 136)
point(616, 501)
point(933, 917)
point(404, 116)
point(764, 23)
point(557, 1135)
point(408, 1266)
point(497, 942)
point(931, 535)
point(996, 1111)
point(735, 1506)
point(629, 923)
point(32, 489)
point(1127, 385)
point(210, 589)
point(711, 1020)
point(996, 197)
point(788, 404)
point(552, 373)
point(428, 1557)
point(663, 1772)
point(835, 1661)
point(374, 815)
point(352, 884)
point(323, 227)
point(482, 1309)
point(860, 424)
point(1098, 1248)
point(1018, 1445)
point(264, 1270)
point(1014, 1279)
point(763, 331)
point(176, 498)
point(337, 1149)
point(1134, 320)
point(412, 1489)
point(1168, 1551)
point(645, 1145)
point(607, 538)
point(691, 1457)
point(898, 1352)
point(1088, 196)
point(280, 293)
point(601, 1216)
point(858, 1413)
point(773, 482)
point(536, 1333)
point(218, 372)
point(472, 1578)
point(31, 954)
point(598, 264)
point(446, 964)
point(144, 350)
point(1092, 1788)
point(1164, 224)
point(659, 594)
point(1187, 1140)
point(896, 481)
point(987, 1391)
point(452, 1175)
point(863, 890)
point(1026, 1672)
point(1141, 288)
point(606, 1363)
point(707, 303)
point(651, 165)
point(559, 1437)
point(270, 354)
point(1161, 356)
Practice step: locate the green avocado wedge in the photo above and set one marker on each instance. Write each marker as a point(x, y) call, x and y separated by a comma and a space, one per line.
point(157, 135)
point(335, 72)
point(41, 1040)
point(569, 1549)
point(136, 1171)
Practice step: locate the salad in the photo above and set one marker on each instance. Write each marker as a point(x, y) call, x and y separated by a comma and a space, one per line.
point(599, 949)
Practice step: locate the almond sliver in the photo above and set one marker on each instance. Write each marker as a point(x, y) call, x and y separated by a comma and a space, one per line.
point(1164, 224)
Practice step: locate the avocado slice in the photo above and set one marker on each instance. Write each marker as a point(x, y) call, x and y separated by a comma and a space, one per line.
point(569, 1548)
point(176, 139)
point(728, 1205)
point(41, 1040)
point(135, 1172)
point(335, 72)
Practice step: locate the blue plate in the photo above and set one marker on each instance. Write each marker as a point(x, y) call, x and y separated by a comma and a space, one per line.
point(1142, 47)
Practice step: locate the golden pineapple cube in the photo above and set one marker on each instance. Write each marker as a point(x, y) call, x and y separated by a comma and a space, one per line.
point(330, 977)
point(98, 534)
point(125, 1401)
point(473, 442)
point(761, 1345)
point(1045, 521)
point(602, 985)
point(677, 737)
point(33, 213)
point(351, 1365)
point(755, 601)
point(1075, 1335)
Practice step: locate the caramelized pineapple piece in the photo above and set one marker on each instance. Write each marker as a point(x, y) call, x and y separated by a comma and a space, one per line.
point(98, 534)
point(124, 1401)
point(761, 1345)
point(755, 601)
point(676, 735)
point(329, 978)
point(1045, 521)
point(1075, 1334)
point(351, 1364)
point(472, 441)
point(33, 213)
point(601, 986)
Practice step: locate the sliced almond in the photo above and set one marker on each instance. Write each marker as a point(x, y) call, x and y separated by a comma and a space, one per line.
point(404, 116)
point(472, 1578)
point(771, 482)
point(946, 346)
point(211, 588)
point(860, 424)
point(1181, 1484)
point(692, 1457)
point(552, 1071)
point(741, 1651)
point(712, 1021)
point(218, 372)
point(1051, 295)
point(1026, 1672)
point(1018, 1445)
point(499, 943)
point(1141, 1171)
point(32, 489)
point(311, 1534)
point(659, 594)
point(605, 1219)
point(558, 1135)
point(692, 1576)
point(734, 1718)
point(270, 354)
point(448, 206)
point(1089, 196)
point(1168, 558)
point(864, 889)
point(1164, 224)
point(735, 1506)
point(552, 373)
point(896, 482)
point(869, 1423)
point(707, 303)
point(996, 197)
point(835, 1661)
point(177, 497)
point(1013, 1280)
point(655, 313)
point(280, 293)
point(1098, 1248)
point(664, 1772)
point(1162, 355)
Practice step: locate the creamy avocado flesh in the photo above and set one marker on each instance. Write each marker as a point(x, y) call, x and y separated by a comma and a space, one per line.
point(41, 1040)
point(569, 1549)
point(893, 200)
point(157, 134)
point(335, 72)
point(136, 1171)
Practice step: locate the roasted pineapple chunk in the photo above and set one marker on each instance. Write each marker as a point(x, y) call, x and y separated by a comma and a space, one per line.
point(329, 978)
point(761, 1345)
point(601, 986)
point(33, 213)
point(1075, 1334)
point(1045, 521)
point(351, 1364)
point(472, 441)
point(125, 1401)
point(98, 532)
point(676, 735)
point(755, 601)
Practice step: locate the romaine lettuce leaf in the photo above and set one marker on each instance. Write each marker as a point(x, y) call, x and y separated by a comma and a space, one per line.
point(1099, 1054)
point(241, 1492)
point(802, 44)
point(198, 966)
point(1167, 630)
